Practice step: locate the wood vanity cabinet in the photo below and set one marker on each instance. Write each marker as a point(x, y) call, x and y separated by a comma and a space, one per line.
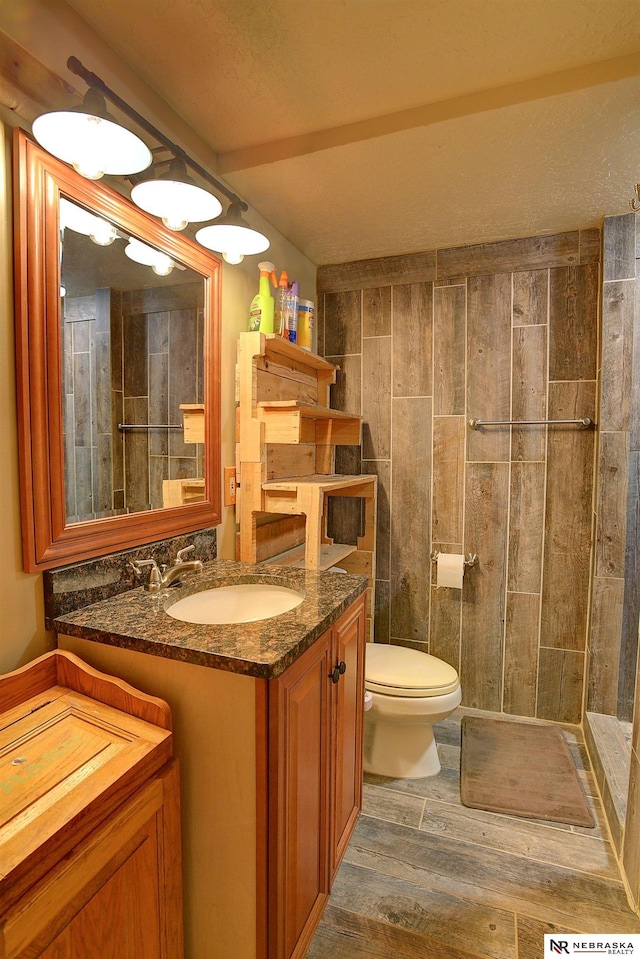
point(89, 818)
point(315, 790)
point(271, 772)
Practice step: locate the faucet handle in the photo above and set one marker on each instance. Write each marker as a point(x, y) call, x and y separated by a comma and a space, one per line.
point(154, 576)
point(183, 552)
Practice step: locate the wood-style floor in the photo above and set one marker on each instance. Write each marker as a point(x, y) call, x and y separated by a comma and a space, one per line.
point(427, 878)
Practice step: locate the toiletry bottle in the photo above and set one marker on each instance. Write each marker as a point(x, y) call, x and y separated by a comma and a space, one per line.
point(280, 317)
point(262, 305)
point(292, 311)
point(306, 315)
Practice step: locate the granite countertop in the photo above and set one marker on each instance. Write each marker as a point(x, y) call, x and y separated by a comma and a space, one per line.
point(137, 619)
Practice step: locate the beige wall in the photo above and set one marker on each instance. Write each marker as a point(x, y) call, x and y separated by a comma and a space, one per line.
point(22, 633)
point(52, 32)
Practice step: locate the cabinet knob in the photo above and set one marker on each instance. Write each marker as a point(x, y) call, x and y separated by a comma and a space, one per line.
point(338, 671)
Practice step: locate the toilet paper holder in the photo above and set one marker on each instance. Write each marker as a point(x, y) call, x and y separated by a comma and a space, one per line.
point(469, 560)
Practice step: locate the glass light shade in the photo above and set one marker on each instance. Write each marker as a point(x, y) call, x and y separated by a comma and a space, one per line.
point(91, 141)
point(176, 202)
point(232, 236)
point(76, 218)
point(140, 252)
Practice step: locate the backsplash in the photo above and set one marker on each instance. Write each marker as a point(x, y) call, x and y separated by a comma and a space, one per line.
point(72, 587)
point(425, 342)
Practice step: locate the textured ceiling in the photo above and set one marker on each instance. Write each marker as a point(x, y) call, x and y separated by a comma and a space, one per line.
point(372, 127)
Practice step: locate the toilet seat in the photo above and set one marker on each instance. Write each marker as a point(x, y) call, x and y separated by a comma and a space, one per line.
point(404, 672)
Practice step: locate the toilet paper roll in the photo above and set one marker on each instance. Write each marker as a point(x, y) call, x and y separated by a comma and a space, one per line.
point(450, 570)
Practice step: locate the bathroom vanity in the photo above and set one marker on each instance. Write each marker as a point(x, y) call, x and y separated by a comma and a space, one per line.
point(267, 721)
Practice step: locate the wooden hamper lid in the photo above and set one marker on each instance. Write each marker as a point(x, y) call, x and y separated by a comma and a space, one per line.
point(74, 744)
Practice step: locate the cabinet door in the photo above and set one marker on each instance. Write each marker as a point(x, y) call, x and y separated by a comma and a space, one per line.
point(299, 742)
point(118, 893)
point(346, 749)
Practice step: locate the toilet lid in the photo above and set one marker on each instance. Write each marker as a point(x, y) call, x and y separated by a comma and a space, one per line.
point(401, 671)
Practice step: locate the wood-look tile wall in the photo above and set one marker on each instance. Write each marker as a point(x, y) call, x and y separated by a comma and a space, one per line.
point(93, 447)
point(613, 641)
point(131, 358)
point(426, 342)
point(614, 683)
point(163, 367)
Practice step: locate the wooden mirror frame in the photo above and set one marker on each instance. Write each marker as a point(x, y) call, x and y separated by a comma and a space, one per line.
point(48, 541)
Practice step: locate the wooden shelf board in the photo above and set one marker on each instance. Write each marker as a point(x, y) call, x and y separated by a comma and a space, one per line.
point(330, 483)
point(330, 555)
point(309, 412)
point(277, 345)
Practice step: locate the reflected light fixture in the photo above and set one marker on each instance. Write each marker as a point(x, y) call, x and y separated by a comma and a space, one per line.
point(90, 139)
point(80, 137)
point(232, 236)
point(175, 197)
point(76, 218)
point(140, 252)
point(635, 201)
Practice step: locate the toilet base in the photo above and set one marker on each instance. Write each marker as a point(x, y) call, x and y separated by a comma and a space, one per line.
point(400, 752)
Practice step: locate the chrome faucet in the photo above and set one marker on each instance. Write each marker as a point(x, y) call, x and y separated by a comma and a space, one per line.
point(161, 578)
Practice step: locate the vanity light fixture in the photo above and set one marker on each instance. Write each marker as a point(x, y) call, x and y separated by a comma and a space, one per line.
point(76, 218)
point(140, 252)
point(81, 144)
point(232, 236)
point(91, 140)
point(175, 197)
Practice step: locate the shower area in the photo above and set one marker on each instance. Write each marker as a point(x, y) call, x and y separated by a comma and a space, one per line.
point(546, 625)
point(615, 594)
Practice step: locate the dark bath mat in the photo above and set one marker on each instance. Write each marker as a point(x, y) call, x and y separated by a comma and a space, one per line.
point(522, 769)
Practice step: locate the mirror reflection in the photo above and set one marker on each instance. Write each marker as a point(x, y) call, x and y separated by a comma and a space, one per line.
point(132, 372)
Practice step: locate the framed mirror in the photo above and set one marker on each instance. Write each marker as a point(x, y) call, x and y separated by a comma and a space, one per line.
point(117, 348)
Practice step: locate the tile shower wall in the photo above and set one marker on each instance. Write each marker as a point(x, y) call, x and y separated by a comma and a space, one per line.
point(130, 357)
point(425, 342)
point(92, 334)
point(163, 333)
point(613, 642)
point(614, 682)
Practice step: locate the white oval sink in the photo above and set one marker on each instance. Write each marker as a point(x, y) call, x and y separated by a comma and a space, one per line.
point(244, 603)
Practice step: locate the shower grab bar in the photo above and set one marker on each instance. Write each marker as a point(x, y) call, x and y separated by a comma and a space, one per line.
point(148, 426)
point(585, 422)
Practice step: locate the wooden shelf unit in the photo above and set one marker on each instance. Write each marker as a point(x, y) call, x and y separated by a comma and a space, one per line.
point(287, 435)
point(287, 421)
point(193, 422)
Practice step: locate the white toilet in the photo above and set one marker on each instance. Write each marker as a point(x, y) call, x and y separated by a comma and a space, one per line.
point(410, 691)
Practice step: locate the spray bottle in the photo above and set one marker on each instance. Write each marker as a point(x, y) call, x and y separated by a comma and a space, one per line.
point(280, 317)
point(262, 305)
point(292, 311)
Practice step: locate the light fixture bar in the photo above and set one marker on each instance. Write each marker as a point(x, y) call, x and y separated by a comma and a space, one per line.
point(92, 80)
